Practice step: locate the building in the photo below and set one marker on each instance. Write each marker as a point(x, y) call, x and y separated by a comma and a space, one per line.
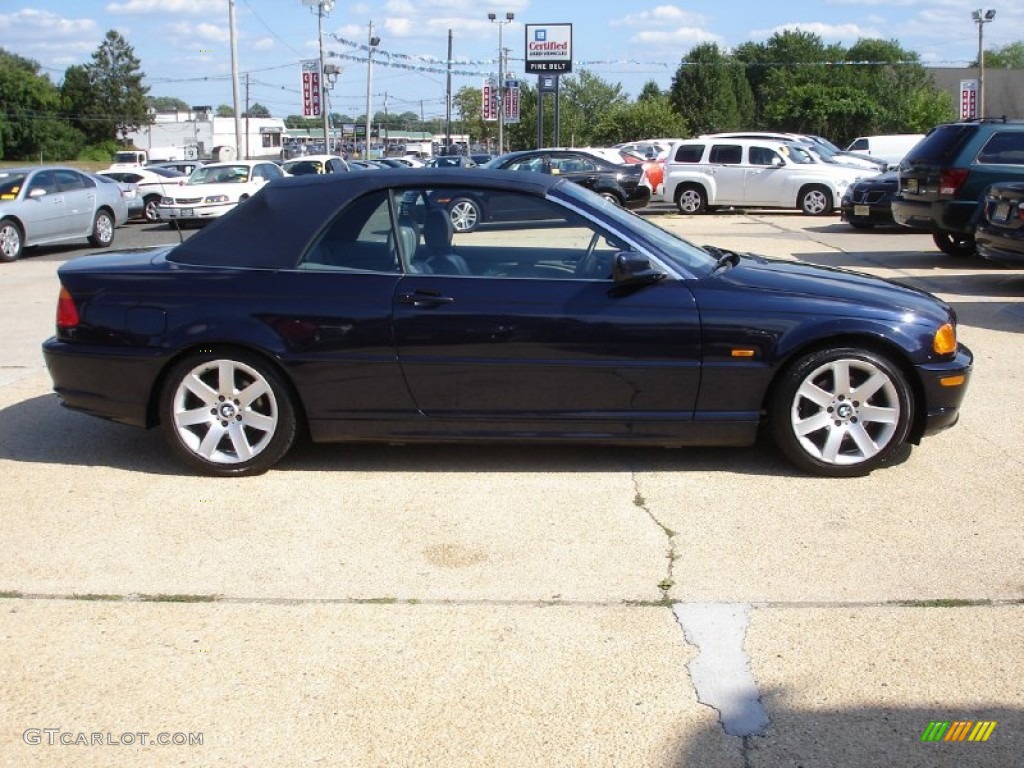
point(1004, 88)
point(198, 134)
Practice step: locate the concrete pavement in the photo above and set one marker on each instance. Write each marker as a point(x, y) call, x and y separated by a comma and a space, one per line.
point(383, 606)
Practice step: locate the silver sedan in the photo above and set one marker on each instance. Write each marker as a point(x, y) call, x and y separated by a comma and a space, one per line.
point(51, 204)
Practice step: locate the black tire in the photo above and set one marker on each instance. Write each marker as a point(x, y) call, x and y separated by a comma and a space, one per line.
point(955, 244)
point(102, 229)
point(465, 214)
point(12, 240)
point(611, 197)
point(149, 209)
point(815, 200)
point(825, 420)
point(691, 199)
point(227, 413)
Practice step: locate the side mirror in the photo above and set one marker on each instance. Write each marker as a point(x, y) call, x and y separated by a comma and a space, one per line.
point(36, 192)
point(777, 162)
point(632, 270)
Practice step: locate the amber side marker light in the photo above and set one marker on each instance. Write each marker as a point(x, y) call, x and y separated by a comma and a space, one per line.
point(944, 341)
point(67, 312)
point(953, 381)
point(743, 353)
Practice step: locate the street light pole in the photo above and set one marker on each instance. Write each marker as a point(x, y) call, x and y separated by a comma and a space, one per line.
point(501, 77)
point(373, 43)
point(981, 19)
point(324, 7)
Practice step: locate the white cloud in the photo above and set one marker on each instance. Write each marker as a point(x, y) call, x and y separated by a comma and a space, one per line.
point(216, 33)
point(264, 44)
point(29, 24)
point(674, 38)
point(165, 7)
point(662, 14)
point(844, 32)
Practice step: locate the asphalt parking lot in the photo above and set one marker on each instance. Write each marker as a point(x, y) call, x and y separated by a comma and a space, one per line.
point(434, 605)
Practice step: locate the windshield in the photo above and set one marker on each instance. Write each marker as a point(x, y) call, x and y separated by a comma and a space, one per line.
point(304, 167)
point(220, 174)
point(798, 154)
point(679, 253)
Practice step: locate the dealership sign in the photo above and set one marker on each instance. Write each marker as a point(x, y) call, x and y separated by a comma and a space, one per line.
point(311, 88)
point(548, 48)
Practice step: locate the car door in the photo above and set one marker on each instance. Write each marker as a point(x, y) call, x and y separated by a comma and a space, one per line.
point(765, 178)
point(726, 166)
point(43, 209)
point(536, 340)
point(79, 193)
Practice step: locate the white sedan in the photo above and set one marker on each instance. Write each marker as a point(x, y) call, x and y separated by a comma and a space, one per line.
point(152, 183)
point(213, 190)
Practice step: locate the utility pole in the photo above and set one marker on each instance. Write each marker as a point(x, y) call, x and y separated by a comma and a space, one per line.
point(373, 43)
point(234, 77)
point(246, 115)
point(447, 99)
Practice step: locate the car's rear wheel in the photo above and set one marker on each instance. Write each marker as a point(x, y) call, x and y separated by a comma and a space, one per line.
point(815, 200)
point(151, 212)
point(691, 199)
point(954, 244)
point(12, 241)
point(227, 413)
point(102, 230)
point(611, 197)
point(841, 412)
point(465, 214)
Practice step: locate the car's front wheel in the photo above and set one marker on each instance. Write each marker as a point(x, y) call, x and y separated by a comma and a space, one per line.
point(954, 244)
point(841, 412)
point(465, 214)
point(102, 230)
point(12, 242)
point(815, 200)
point(151, 210)
point(227, 413)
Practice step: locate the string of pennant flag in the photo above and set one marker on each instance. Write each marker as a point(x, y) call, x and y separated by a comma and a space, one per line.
point(434, 65)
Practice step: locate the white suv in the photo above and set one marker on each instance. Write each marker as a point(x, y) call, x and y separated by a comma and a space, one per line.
point(749, 173)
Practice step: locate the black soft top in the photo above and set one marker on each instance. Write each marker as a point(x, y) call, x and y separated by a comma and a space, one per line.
point(276, 225)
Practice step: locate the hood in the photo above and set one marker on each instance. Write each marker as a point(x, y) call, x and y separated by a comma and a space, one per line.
point(775, 286)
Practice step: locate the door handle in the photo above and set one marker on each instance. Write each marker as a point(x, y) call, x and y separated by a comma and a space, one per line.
point(424, 299)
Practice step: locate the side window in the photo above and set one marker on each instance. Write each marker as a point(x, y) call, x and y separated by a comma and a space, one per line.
point(531, 164)
point(761, 156)
point(689, 153)
point(359, 239)
point(44, 180)
point(70, 180)
point(515, 235)
point(1003, 148)
point(860, 145)
point(726, 154)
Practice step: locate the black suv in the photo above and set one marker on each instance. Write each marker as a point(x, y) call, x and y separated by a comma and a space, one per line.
point(943, 178)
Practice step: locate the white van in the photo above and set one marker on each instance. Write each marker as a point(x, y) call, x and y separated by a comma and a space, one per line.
point(890, 148)
point(748, 173)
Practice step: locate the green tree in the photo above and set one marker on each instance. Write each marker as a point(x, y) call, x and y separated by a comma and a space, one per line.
point(258, 110)
point(646, 118)
point(584, 96)
point(649, 91)
point(119, 97)
point(467, 115)
point(225, 110)
point(166, 104)
point(1009, 56)
point(710, 91)
point(31, 125)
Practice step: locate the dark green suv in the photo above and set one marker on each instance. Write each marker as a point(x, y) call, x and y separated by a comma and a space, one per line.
point(943, 178)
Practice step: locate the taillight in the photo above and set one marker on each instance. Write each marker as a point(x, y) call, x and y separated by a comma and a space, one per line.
point(67, 312)
point(951, 179)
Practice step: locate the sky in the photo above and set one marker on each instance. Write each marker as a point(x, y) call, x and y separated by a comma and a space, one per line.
point(185, 45)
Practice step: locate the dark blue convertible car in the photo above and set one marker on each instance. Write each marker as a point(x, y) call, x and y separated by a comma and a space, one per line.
point(344, 305)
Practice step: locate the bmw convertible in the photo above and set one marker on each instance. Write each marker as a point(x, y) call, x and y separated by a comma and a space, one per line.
point(344, 306)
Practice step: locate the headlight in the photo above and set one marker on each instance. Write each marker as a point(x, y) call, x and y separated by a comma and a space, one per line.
point(216, 199)
point(166, 201)
point(944, 341)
